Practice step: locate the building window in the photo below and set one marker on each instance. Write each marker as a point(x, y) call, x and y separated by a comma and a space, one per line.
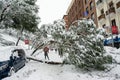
point(103, 26)
point(111, 5)
point(86, 1)
point(87, 10)
point(113, 22)
point(93, 16)
point(102, 11)
point(91, 5)
point(100, 1)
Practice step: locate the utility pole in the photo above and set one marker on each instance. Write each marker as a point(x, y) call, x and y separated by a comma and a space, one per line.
point(110, 23)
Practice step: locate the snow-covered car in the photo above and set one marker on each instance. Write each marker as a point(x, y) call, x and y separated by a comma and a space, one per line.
point(16, 61)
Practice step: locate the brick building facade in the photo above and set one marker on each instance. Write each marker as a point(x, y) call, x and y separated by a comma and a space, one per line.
point(79, 9)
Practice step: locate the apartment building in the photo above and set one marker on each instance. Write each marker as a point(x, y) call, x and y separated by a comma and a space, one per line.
point(79, 9)
point(90, 8)
point(108, 13)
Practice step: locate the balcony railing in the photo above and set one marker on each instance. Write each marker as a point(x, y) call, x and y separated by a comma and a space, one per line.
point(99, 1)
point(102, 16)
point(118, 4)
point(111, 10)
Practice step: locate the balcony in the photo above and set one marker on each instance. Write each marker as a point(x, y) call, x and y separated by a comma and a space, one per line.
point(100, 3)
point(111, 12)
point(118, 6)
point(101, 18)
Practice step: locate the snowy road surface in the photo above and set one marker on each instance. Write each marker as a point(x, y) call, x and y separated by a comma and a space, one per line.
point(42, 71)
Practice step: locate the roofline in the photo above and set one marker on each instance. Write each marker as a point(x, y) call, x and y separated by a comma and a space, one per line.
point(70, 6)
point(64, 16)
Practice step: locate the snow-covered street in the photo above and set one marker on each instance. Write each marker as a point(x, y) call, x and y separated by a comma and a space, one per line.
point(41, 71)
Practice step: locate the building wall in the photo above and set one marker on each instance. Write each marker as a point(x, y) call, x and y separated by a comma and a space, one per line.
point(65, 17)
point(77, 9)
point(92, 10)
point(106, 20)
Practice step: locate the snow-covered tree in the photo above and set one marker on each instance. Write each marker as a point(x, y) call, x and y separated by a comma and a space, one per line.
point(87, 46)
point(84, 43)
point(19, 13)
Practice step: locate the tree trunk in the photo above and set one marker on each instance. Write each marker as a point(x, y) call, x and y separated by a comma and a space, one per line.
point(33, 44)
point(48, 62)
point(19, 36)
point(2, 16)
point(37, 48)
point(18, 41)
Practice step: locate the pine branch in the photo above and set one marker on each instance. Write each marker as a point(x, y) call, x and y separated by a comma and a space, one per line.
point(37, 48)
point(2, 17)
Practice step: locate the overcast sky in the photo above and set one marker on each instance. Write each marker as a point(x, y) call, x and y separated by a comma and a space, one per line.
point(50, 10)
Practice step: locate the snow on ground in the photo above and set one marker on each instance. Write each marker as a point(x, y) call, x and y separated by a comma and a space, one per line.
point(9, 38)
point(53, 56)
point(5, 52)
point(42, 71)
point(13, 39)
point(115, 53)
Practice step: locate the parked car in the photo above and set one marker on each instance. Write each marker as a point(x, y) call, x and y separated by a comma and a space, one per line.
point(16, 61)
point(108, 41)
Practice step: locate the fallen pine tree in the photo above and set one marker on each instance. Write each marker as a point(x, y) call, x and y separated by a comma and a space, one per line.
point(48, 62)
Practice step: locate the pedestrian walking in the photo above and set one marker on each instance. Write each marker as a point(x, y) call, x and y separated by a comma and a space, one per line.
point(46, 50)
